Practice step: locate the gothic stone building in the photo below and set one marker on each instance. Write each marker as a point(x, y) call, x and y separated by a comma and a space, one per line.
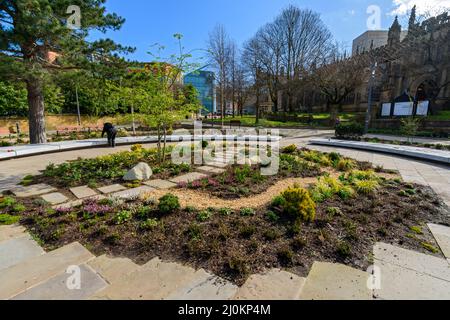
point(416, 66)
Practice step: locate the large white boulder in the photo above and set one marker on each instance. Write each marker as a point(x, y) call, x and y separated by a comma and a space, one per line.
point(141, 171)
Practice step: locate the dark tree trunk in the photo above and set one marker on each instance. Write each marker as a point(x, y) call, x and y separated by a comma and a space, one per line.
point(36, 111)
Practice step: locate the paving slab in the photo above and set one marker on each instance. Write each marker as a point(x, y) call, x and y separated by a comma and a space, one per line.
point(11, 232)
point(160, 184)
point(422, 263)
point(133, 193)
point(331, 281)
point(17, 250)
point(189, 177)
point(113, 269)
point(218, 164)
point(83, 192)
point(111, 188)
point(22, 276)
point(33, 190)
point(76, 203)
point(397, 283)
point(153, 281)
point(56, 288)
point(205, 287)
point(211, 170)
point(55, 198)
point(274, 285)
point(442, 235)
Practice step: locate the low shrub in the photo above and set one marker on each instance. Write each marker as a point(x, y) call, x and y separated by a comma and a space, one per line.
point(246, 212)
point(204, 215)
point(272, 216)
point(286, 256)
point(289, 149)
point(149, 224)
point(7, 219)
point(334, 156)
point(7, 202)
point(246, 231)
point(122, 217)
point(349, 130)
point(225, 211)
point(345, 165)
point(299, 204)
point(344, 249)
point(168, 203)
point(366, 186)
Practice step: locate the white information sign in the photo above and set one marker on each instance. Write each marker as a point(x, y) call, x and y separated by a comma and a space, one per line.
point(386, 109)
point(403, 109)
point(422, 108)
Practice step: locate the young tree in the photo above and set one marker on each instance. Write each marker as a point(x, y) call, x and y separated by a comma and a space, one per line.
point(35, 41)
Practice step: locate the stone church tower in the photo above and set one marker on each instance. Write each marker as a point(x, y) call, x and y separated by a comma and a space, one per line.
point(394, 34)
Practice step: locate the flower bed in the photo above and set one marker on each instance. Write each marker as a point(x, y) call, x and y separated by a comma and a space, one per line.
point(335, 220)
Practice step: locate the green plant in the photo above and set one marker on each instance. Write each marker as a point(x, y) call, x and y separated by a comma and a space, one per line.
point(247, 212)
point(142, 212)
point(204, 144)
point(334, 156)
point(204, 215)
point(334, 211)
point(278, 202)
point(289, 149)
point(190, 209)
point(271, 234)
point(429, 247)
point(286, 255)
point(18, 208)
point(7, 202)
point(345, 165)
point(168, 203)
point(195, 231)
point(366, 186)
point(122, 217)
point(416, 229)
point(298, 243)
point(149, 224)
point(225, 211)
point(7, 219)
point(272, 216)
point(299, 203)
point(247, 231)
point(346, 192)
point(410, 126)
point(349, 130)
point(344, 249)
point(403, 193)
point(239, 264)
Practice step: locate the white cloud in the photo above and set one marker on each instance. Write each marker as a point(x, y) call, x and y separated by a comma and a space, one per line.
point(402, 7)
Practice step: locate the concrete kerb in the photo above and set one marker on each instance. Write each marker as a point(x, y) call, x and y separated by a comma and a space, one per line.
point(409, 152)
point(7, 153)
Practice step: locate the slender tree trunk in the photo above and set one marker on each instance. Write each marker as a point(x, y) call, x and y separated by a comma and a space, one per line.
point(164, 144)
point(159, 143)
point(36, 111)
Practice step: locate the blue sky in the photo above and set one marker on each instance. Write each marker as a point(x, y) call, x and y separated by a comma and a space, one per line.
point(155, 21)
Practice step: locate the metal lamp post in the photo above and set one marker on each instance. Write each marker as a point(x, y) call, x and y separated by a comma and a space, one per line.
point(369, 102)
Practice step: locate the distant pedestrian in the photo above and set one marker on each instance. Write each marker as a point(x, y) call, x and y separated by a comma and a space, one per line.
point(111, 133)
point(338, 121)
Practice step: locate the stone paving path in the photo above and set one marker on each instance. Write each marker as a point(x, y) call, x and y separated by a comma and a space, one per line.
point(38, 275)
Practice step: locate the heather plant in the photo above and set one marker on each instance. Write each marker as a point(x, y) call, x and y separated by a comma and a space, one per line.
point(92, 207)
point(366, 186)
point(345, 165)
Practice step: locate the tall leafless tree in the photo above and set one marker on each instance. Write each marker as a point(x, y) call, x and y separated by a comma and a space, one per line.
point(219, 49)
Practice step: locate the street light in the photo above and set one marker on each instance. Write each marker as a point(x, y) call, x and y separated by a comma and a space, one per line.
point(369, 102)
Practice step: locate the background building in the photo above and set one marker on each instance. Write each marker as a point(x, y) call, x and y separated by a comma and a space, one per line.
point(370, 40)
point(204, 82)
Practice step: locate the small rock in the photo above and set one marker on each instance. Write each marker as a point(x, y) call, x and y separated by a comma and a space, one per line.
point(141, 171)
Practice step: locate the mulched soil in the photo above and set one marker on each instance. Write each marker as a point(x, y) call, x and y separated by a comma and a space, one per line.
point(236, 246)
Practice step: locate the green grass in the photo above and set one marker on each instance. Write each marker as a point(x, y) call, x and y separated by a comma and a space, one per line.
point(250, 120)
point(7, 219)
point(441, 116)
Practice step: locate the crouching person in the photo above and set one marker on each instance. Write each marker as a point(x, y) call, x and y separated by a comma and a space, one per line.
point(111, 132)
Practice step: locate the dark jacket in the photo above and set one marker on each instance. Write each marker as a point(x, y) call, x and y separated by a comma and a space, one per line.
point(108, 128)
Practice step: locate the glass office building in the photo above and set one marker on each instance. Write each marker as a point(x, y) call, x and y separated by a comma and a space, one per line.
point(204, 82)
